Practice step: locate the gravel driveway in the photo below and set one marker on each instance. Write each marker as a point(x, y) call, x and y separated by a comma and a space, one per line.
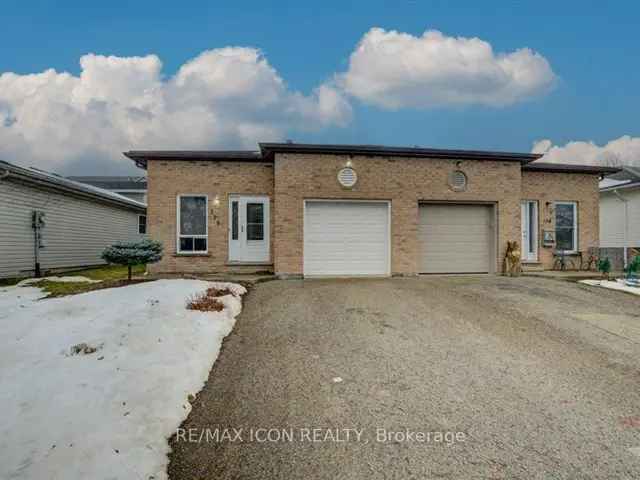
point(524, 378)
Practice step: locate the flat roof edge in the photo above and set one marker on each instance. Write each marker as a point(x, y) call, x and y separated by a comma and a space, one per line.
point(569, 168)
point(378, 150)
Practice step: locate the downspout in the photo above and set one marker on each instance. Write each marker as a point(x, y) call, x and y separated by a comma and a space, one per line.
point(626, 223)
point(36, 252)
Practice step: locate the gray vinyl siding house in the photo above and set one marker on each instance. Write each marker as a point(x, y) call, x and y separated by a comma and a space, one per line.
point(79, 222)
point(620, 216)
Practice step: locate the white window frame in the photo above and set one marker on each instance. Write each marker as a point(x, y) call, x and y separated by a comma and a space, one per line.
point(145, 224)
point(178, 224)
point(575, 226)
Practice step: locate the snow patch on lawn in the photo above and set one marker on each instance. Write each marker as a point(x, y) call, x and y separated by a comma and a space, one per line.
point(107, 414)
point(613, 285)
point(71, 279)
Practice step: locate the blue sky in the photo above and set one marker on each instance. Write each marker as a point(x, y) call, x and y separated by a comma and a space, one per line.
point(592, 48)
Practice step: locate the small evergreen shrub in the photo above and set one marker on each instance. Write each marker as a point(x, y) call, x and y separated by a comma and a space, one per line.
point(133, 253)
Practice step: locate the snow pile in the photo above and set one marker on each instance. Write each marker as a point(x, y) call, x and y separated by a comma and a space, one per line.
point(612, 285)
point(236, 289)
point(106, 413)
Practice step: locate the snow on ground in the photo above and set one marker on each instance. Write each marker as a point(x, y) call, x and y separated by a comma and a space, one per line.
point(108, 414)
point(614, 285)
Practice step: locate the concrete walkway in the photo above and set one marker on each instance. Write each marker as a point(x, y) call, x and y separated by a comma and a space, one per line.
point(572, 275)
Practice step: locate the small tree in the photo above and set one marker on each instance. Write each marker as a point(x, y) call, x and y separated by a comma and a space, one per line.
point(133, 253)
point(604, 266)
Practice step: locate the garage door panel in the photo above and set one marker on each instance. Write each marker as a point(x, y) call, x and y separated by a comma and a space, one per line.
point(346, 238)
point(455, 232)
point(455, 249)
point(455, 238)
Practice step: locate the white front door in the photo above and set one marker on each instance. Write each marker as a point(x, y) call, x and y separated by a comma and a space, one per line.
point(529, 223)
point(248, 229)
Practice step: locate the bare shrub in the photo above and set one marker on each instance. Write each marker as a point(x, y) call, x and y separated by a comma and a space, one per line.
point(204, 302)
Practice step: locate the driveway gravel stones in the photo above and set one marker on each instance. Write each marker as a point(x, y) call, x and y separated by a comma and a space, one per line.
point(537, 377)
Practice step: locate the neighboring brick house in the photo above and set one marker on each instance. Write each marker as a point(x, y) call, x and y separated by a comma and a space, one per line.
point(332, 210)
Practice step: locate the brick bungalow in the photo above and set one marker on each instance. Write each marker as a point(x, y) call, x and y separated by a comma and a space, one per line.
point(299, 209)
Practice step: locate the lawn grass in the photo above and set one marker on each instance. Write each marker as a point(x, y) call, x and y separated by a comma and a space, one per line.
point(61, 289)
point(109, 275)
point(108, 272)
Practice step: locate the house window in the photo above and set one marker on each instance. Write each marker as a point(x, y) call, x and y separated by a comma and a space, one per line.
point(142, 224)
point(192, 224)
point(234, 220)
point(566, 226)
point(255, 221)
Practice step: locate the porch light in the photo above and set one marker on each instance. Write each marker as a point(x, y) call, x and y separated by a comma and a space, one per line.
point(348, 164)
point(216, 201)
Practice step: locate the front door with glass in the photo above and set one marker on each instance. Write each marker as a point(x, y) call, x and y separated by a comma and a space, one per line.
point(248, 229)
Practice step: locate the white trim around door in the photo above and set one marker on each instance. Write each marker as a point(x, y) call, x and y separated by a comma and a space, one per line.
point(529, 227)
point(346, 238)
point(249, 229)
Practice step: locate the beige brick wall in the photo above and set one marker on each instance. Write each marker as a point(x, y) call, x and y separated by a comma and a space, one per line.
point(546, 187)
point(168, 179)
point(404, 181)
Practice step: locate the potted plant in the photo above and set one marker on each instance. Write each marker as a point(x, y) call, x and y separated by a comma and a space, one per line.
point(632, 272)
point(604, 267)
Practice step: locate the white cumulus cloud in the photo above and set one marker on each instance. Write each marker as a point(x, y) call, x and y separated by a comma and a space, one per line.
point(393, 70)
point(621, 151)
point(225, 98)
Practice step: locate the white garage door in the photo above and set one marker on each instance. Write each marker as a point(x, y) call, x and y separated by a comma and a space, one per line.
point(456, 238)
point(346, 238)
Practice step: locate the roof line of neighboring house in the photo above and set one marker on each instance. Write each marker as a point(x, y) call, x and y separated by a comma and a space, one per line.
point(620, 186)
point(56, 182)
point(267, 151)
point(114, 184)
